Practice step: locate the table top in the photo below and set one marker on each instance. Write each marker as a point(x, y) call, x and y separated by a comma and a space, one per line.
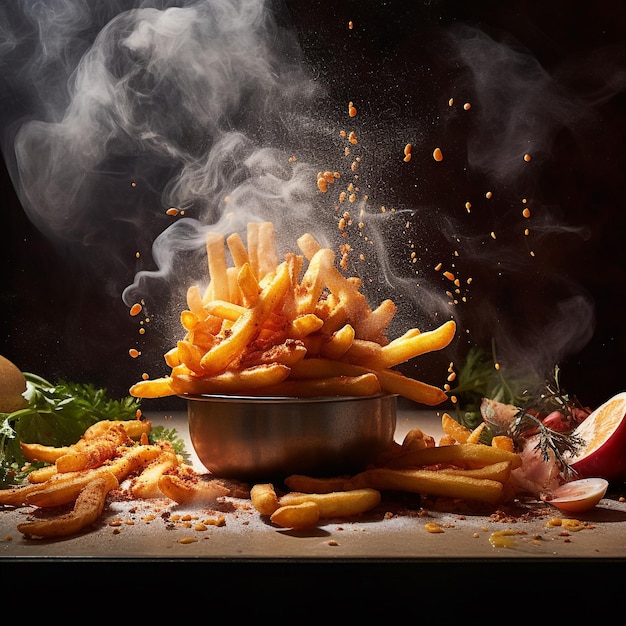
point(154, 530)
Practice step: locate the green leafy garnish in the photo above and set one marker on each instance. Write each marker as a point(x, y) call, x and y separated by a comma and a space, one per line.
point(160, 433)
point(55, 415)
point(533, 396)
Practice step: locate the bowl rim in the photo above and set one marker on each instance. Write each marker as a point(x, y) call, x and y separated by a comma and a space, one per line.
point(245, 399)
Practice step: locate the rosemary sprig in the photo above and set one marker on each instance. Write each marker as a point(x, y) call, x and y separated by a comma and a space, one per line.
point(549, 441)
point(533, 398)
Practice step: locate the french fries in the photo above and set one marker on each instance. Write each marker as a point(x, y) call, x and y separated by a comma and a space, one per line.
point(186, 486)
point(430, 482)
point(264, 498)
point(291, 327)
point(339, 504)
point(87, 509)
point(298, 510)
point(84, 473)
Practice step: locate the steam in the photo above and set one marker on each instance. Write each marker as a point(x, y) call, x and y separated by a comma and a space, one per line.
point(120, 110)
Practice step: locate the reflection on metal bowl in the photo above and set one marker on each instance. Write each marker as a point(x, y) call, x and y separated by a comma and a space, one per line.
point(261, 438)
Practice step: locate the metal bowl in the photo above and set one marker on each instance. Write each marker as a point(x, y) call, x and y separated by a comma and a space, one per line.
point(261, 439)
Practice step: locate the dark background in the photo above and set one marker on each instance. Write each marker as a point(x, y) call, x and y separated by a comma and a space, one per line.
point(61, 318)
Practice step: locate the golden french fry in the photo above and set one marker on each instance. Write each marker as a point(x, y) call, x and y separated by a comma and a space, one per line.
point(194, 301)
point(430, 482)
point(186, 486)
point(503, 442)
point(224, 309)
point(93, 451)
point(469, 455)
point(314, 484)
point(60, 492)
point(410, 347)
point(337, 503)
point(41, 474)
point(267, 258)
point(296, 516)
point(264, 498)
point(339, 343)
point(451, 427)
point(248, 286)
point(363, 385)
point(363, 351)
point(87, 509)
point(304, 325)
point(500, 471)
point(374, 326)
point(216, 257)
point(154, 388)
point(397, 383)
point(251, 379)
point(134, 428)
point(146, 484)
point(16, 496)
point(475, 434)
point(312, 284)
point(237, 250)
point(37, 452)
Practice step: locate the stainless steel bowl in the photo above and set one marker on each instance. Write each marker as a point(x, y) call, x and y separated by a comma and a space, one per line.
point(261, 438)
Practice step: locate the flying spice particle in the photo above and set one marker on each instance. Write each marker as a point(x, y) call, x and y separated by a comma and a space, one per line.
point(450, 102)
point(467, 106)
point(527, 158)
point(135, 309)
point(437, 154)
point(489, 195)
point(172, 211)
point(526, 212)
point(351, 110)
point(468, 206)
point(350, 25)
point(134, 353)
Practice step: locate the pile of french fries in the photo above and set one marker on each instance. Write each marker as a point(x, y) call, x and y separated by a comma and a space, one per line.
point(290, 328)
point(82, 476)
point(460, 467)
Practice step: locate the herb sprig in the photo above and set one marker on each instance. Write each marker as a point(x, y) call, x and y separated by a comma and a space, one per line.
point(534, 398)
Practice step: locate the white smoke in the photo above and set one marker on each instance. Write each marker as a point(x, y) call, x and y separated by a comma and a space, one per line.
point(117, 110)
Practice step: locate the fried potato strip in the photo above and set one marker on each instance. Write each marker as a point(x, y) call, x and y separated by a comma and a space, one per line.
point(252, 308)
point(87, 509)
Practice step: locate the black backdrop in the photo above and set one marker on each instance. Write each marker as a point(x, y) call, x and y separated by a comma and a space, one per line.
point(62, 318)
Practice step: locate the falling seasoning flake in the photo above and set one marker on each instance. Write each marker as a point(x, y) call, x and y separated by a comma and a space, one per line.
point(489, 195)
point(351, 109)
point(468, 206)
point(172, 211)
point(350, 25)
point(437, 154)
point(526, 212)
point(135, 309)
point(467, 106)
point(134, 353)
point(527, 157)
